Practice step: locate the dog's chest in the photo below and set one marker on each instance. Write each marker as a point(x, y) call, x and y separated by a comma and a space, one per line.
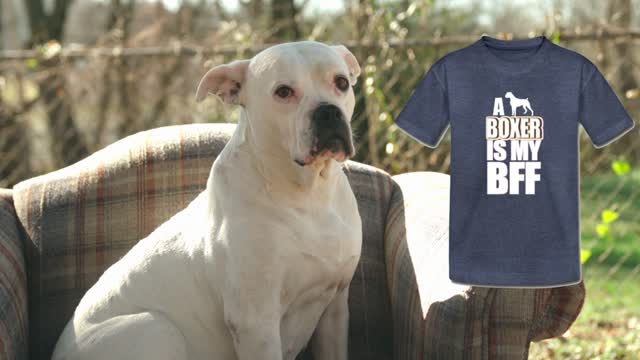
point(319, 265)
point(323, 252)
point(328, 234)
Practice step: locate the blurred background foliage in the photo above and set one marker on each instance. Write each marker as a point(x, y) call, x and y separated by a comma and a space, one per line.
point(76, 75)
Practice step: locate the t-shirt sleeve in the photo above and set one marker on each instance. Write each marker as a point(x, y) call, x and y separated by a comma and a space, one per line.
point(601, 113)
point(425, 116)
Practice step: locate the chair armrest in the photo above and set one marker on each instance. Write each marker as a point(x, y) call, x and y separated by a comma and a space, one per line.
point(13, 284)
point(434, 318)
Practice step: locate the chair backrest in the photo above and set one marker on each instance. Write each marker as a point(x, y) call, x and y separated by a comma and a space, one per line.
point(81, 219)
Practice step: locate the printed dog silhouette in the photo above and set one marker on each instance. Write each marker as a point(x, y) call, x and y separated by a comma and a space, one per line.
point(516, 103)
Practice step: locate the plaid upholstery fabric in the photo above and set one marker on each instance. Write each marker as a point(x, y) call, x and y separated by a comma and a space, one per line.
point(556, 309)
point(370, 325)
point(81, 219)
point(436, 319)
point(13, 284)
point(370, 330)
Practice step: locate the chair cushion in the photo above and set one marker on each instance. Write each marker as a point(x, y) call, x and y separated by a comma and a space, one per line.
point(13, 284)
point(83, 218)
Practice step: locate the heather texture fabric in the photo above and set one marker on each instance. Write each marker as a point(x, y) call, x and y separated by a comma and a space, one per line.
point(514, 109)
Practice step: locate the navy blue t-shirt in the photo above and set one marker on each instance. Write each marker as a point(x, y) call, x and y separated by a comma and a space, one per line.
point(514, 108)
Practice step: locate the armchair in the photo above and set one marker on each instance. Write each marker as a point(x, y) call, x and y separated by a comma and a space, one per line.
point(60, 231)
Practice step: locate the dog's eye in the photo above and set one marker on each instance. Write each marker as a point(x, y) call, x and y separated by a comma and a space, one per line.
point(342, 83)
point(284, 91)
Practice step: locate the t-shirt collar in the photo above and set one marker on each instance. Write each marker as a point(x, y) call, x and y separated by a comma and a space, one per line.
point(513, 66)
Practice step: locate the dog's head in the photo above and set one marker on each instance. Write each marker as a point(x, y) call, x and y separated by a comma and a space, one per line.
point(297, 96)
point(509, 95)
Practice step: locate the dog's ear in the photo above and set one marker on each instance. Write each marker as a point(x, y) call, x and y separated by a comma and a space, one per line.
point(224, 81)
point(352, 62)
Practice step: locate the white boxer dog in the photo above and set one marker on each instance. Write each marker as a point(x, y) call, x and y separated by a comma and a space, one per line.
point(259, 264)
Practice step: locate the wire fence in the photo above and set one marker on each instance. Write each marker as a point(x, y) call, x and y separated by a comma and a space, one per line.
point(58, 105)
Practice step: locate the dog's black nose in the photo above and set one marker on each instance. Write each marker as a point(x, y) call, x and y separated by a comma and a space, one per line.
point(331, 129)
point(328, 113)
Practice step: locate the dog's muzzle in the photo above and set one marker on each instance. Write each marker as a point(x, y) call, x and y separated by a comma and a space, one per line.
point(331, 131)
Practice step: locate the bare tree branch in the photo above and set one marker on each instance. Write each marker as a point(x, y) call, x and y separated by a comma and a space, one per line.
point(232, 49)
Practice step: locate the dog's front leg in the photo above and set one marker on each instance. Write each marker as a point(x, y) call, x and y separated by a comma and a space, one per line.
point(330, 339)
point(258, 341)
point(252, 316)
point(254, 336)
